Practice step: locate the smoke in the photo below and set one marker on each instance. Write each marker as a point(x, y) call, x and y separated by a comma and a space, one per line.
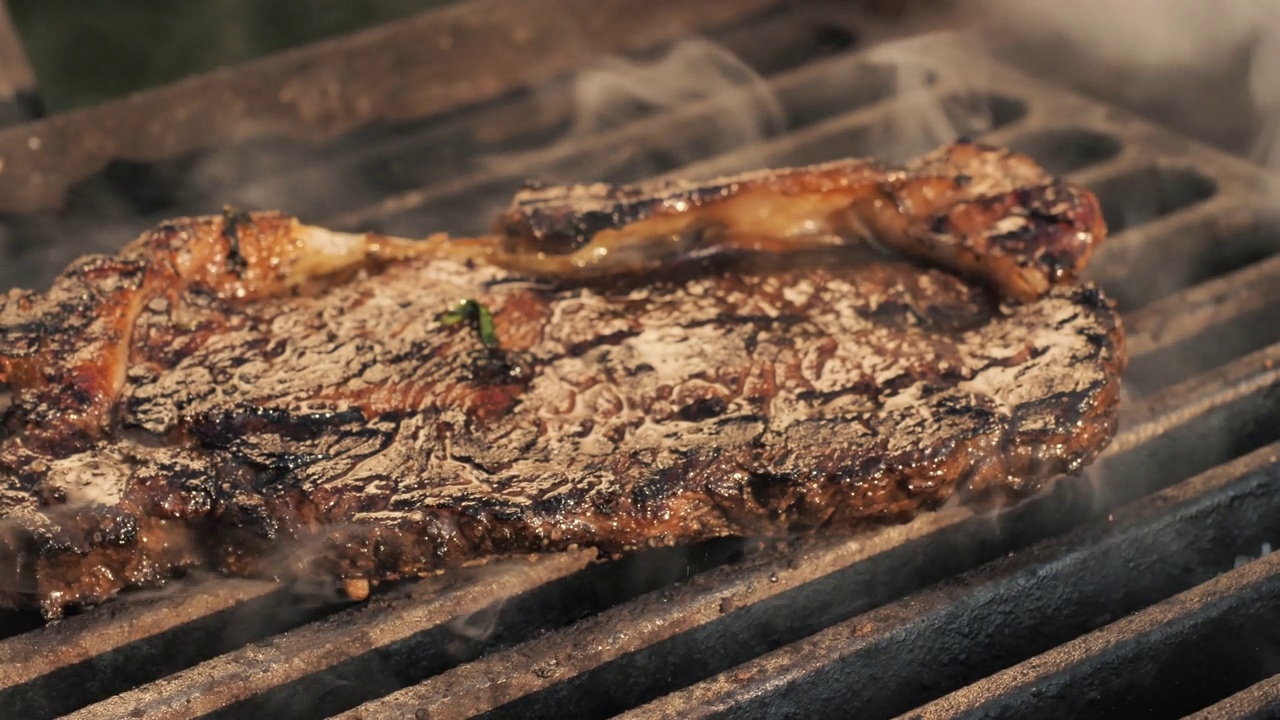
point(474, 629)
point(1209, 69)
point(1242, 560)
point(1264, 87)
point(1151, 33)
point(919, 120)
point(618, 90)
point(735, 105)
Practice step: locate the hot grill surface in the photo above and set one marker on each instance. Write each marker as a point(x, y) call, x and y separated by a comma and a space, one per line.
point(1135, 590)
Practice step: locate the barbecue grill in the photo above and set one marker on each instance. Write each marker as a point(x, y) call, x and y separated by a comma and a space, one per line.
point(1142, 588)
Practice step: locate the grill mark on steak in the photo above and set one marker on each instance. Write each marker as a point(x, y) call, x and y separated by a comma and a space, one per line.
point(306, 413)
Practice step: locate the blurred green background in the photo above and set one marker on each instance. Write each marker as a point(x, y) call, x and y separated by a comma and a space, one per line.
point(86, 51)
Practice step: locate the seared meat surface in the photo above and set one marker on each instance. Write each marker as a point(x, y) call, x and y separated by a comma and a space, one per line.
point(267, 398)
point(981, 211)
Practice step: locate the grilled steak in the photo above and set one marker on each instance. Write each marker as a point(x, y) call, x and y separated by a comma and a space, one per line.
point(616, 368)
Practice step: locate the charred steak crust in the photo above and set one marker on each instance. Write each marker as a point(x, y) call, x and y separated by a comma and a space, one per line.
point(272, 399)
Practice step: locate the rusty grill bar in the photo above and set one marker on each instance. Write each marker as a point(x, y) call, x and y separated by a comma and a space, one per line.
point(1113, 594)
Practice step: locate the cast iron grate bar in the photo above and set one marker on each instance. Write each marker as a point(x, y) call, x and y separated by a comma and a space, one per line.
point(1164, 661)
point(146, 633)
point(1214, 303)
point(1204, 327)
point(398, 637)
point(383, 621)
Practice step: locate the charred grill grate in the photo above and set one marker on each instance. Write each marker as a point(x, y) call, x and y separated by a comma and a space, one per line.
point(1114, 595)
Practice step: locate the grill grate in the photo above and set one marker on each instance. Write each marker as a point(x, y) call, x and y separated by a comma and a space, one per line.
point(1113, 595)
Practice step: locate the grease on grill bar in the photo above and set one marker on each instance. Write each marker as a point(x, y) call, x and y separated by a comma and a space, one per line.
point(1032, 612)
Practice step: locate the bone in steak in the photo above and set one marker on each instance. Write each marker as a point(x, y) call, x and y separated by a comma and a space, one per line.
point(675, 363)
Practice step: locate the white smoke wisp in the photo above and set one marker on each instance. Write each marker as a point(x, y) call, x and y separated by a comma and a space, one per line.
point(1135, 33)
point(920, 119)
point(480, 625)
point(1264, 88)
point(1174, 52)
point(615, 92)
point(606, 95)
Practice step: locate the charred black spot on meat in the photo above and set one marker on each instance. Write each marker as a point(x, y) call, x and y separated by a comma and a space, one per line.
point(899, 314)
point(1100, 341)
point(703, 409)
point(1054, 263)
point(743, 419)
point(559, 219)
point(649, 492)
point(557, 232)
point(613, 338)
point(888, 191)
point(232, 220)
point(493, 366)
point(772, 491)
point(1091, 296)
point(227, 427)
